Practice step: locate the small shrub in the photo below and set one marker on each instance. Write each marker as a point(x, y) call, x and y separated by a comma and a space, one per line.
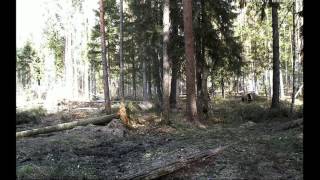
point(29, 171)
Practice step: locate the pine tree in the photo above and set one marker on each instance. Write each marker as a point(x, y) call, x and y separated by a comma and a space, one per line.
point(104, 60)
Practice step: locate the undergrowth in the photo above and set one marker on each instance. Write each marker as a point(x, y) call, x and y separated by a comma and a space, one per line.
point(30, 116)
point(230, 110)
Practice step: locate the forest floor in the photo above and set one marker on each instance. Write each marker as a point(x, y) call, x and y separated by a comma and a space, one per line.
point(257, 150)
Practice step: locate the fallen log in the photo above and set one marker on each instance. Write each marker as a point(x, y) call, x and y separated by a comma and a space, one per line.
point(166, 169)
point(64, 126)
point(290, 124)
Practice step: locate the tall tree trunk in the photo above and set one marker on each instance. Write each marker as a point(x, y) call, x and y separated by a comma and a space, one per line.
point(104, 61)
point(281, 86)
point(156, 74)
point(166, 62)
point(174, 58)
point(237, 84)
point(293, 56)
point(286, 77)
point(276, 62)
point(144, 77)
point(265, 77)
point(134, 73)
point(190, 61)
point(173, 91)
point(199, 68)
point(204, 68)
point(204, 91)
point(222, 87)
point(121, 52)
point(149, 81)
point(199, 64)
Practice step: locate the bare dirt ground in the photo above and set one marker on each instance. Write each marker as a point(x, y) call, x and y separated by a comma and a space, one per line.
point(256, 150)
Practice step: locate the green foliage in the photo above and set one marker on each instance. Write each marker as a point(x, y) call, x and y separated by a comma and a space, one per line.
point(30, 116)
point(29, 65)
point(255, 32)
point(55, 36)
point(112, 30)
point(56, 43)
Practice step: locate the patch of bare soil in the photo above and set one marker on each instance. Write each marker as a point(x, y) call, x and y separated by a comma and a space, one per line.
point(111, 152)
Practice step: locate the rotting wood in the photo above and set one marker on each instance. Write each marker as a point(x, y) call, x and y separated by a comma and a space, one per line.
point(166, 169)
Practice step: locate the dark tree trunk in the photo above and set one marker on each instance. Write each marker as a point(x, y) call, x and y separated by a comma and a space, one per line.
point(204, 92)
point(149, 81)
point(200, 63)
point(104, 61)
point(276, 61)
point(174, 57)
point(166, 62)
point(222, 87)
point(121, 52)
point(199, 60)
point(134, 73)
point(173, 92)
point(144, 77)
point(190, 61)
point(293, 56)
point(157, 78)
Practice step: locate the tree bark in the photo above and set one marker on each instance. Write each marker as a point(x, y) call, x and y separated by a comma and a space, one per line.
point(104, 61)
point(149, 81)
point(190, 61)
point(157, 78)
point(222, 87)
point(121, 52)
point(144, 77)
point(173, 90)
point(64, 126)
point(134, 72)
point(166, 62)
point(174, 57)
point(276, 62)
point(293, 57)
point(204, 91)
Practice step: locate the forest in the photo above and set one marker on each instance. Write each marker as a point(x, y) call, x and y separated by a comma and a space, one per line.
point(159, 89)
